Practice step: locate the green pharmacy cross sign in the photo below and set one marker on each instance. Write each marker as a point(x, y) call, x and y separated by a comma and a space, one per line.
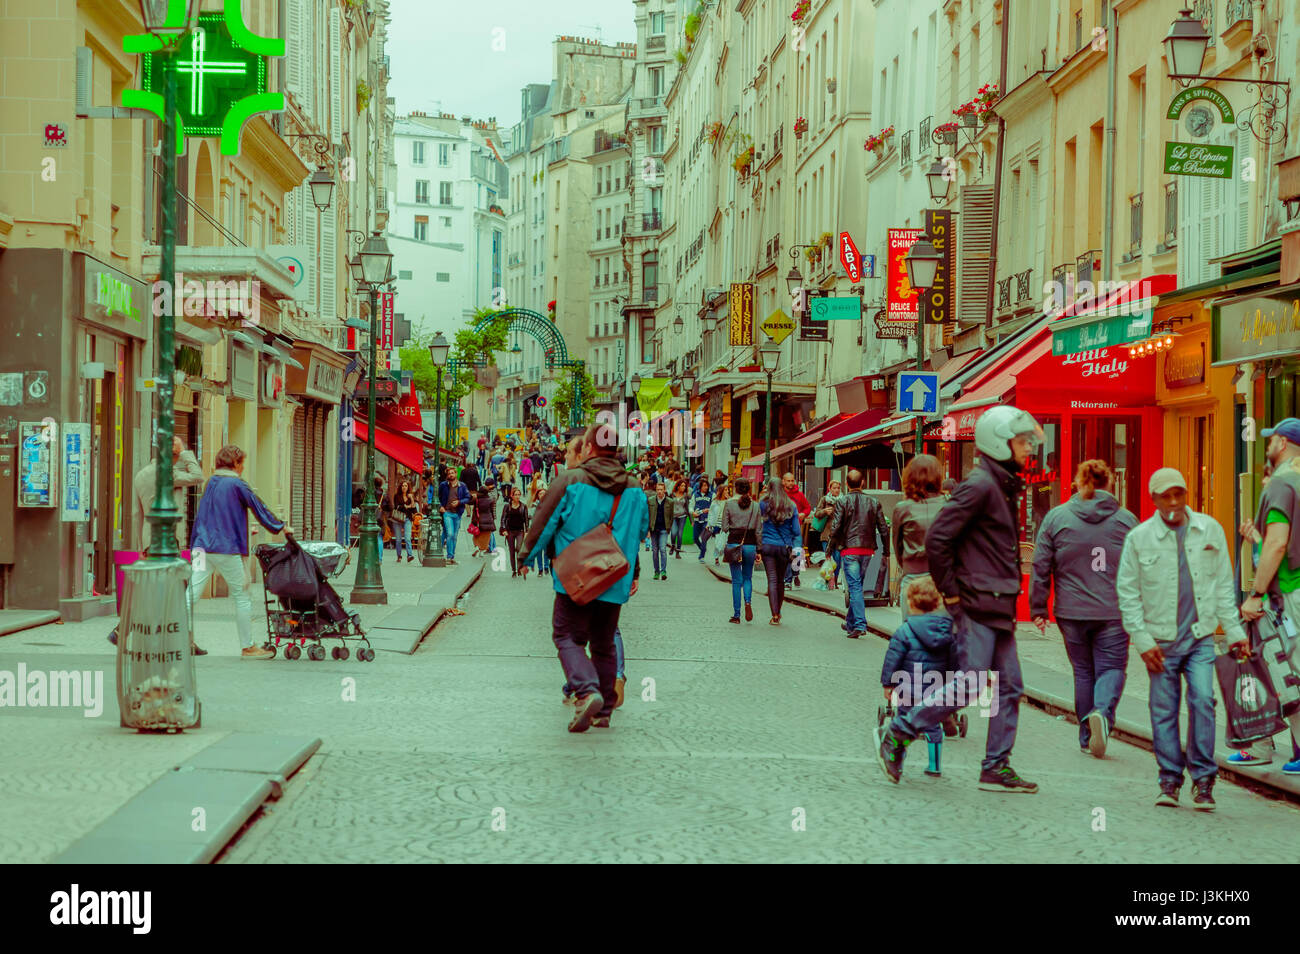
point(220, 76)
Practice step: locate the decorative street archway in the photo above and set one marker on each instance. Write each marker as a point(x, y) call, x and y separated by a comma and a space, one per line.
point(544, 332)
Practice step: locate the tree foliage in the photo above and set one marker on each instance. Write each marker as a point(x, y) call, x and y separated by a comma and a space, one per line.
point(562, 401)
point(469, 348)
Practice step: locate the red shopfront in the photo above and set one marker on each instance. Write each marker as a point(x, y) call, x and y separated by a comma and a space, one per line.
point(1097, 404)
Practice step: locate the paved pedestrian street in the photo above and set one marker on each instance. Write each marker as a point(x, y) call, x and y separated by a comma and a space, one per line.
point(736, 744)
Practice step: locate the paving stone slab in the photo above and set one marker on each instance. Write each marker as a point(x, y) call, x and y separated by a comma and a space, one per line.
point(270, 755)
point(409, 617)
point(17, 620)
point(395, 640)
point(157, 825)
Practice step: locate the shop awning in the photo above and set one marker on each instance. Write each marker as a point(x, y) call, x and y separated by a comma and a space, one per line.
point(406, 449)
point(828, 451)
point(1122, 315)
point(994, 387)
point(827, 430)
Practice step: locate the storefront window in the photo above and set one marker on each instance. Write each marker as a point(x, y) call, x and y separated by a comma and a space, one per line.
point(1042, 482)
point(1114, 440)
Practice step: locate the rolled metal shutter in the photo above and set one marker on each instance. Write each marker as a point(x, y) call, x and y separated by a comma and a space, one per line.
point(298, 481)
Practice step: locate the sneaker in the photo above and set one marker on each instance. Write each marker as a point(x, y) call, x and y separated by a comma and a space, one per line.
point(568, 699)
point(619, 683)
point(1099, 728)
point(584, 710)
point(256, 652)
point(679, 554)
point(857, 634)
point(701, 559)
point(663, 576)
point(1004, 779)
point(734, 619)
point(1244, 759)
point(1204, 798)
point(600, 722)
point(197, 651)
point(112, 637)
point(890, 751)
point(796, 579)
point(1168, 797)
point(1291, 768)
point(774, 621)
point(749, 613)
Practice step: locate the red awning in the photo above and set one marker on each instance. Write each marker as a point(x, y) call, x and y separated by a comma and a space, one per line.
point(406, 449)
point(828, 430)
point(993, 387)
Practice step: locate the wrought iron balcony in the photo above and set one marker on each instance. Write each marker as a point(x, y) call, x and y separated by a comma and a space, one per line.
point(1135, 225)
point(1171, 214)
point(1022, 285)
point(1004, 293)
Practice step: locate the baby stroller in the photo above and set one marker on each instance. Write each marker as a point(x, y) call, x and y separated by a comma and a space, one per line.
point(310, 610)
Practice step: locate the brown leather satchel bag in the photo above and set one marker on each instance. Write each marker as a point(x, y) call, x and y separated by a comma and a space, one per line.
point(593, 563)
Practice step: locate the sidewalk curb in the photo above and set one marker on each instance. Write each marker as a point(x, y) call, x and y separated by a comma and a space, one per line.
point(228, 781)
point(403, 629)
point(1269, 782)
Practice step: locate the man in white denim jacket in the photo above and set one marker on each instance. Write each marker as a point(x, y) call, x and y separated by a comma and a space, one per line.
point(1175, 587)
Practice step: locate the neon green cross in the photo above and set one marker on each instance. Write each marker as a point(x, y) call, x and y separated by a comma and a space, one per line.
point(198, 67)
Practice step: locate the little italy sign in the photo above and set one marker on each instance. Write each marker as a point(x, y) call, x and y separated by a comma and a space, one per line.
point(1097, 362)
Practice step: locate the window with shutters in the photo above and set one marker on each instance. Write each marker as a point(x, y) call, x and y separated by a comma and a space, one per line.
point(421, 233)
point(421, 191)
point(974, 280)
point(329, 265)
point(444, 154)
point(1213, 214)
point(444, 193)
point(417, 153)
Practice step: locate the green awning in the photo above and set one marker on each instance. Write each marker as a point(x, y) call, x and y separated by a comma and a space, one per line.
point(1104, 332)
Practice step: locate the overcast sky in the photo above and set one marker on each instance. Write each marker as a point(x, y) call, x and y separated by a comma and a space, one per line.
point(448, 57)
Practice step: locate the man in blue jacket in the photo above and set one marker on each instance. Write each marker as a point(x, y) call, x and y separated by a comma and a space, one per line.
point(577, 501)
point(220, 540)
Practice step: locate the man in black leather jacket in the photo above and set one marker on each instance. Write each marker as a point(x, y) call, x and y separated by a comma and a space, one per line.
point(973, 548)
point(854, 530)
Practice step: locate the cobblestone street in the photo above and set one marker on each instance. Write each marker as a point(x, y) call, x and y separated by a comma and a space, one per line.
point(752, 733)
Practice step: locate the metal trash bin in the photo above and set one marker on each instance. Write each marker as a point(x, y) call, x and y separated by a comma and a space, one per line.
point(156, 685)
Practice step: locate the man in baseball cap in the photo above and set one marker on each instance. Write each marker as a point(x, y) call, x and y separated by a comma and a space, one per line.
point(1288, 427)
point(1155, 574)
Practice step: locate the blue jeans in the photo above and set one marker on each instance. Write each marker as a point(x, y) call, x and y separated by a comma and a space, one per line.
point(659, 547)
point(701, 530)
point(679, 525)
point(906, 580)
point(402, 536)
point(1098, 651)
point(1191, 660)
point(742, 576)
point(981, 649)
point(854, 569)
point(450, 530)
point(618, 655)
point(539, 560)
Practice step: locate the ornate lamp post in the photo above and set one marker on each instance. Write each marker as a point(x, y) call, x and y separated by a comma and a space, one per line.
point(922, 265)
point(433, 552)
point(769, 357)
point(375, 262)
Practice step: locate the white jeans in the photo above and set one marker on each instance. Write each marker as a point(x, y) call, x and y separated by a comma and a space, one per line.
point(231, 568)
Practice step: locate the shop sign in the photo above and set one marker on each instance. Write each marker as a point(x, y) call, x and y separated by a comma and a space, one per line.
point(1184, 98)
point(835, 308)
point(1198, 159)
point(113, 298)
point(1257, 327)
point(850, 258)
point(937, 306)
point(959, 426)
point(1185, 367)
point(386, 322)
point(1102, 333)
point(901, 298)
point(272, 384)
point(741, 314)
point(1097, 363)
point(222, 77)
point(778, 326)
point(324, 380)
point(243, 373)
point(810, 330)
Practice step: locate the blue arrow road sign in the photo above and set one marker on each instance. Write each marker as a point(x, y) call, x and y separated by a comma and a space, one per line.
point(918, 392)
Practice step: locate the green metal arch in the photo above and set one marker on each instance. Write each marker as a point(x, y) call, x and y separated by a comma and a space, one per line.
point(537, 326)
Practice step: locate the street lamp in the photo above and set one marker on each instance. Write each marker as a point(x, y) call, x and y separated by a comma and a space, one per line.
point(1185, 46)
point(769, 357)
point(375, 261)
point(433, 552)
point(168, 22)
point(937, 179)
point(678, 324)
point(922, 262)
point(322, 187)
point(636, 390)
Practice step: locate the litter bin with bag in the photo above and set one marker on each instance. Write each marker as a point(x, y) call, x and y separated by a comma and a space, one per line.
point(156, 685)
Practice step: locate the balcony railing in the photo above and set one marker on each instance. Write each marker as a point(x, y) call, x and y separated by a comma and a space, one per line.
point(772, 250)
point(1086, 265)
point(923, 140)
point(778, 139)
point(905, 148)
point(1171, 214)
point(1135, 225)
point(655, 43)
point(1004, 293)
point(1022, 284)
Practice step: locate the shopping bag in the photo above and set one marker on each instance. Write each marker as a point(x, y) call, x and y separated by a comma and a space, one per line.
point(1251, 705)
point(688, 532)
point(1273, 639)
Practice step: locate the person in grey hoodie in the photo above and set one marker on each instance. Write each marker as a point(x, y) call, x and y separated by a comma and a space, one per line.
point(1079, 545)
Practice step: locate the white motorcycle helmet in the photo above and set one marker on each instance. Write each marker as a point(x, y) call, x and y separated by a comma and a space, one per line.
point(998, 425)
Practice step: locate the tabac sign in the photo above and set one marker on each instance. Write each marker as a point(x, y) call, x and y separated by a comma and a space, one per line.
point(221, 77)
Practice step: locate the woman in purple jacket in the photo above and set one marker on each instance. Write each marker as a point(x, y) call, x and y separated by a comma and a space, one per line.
point(220, 540)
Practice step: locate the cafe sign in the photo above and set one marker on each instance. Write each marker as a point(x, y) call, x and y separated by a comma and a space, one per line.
point(1197, 159)
point(1185, 367)
point(1257, 327)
